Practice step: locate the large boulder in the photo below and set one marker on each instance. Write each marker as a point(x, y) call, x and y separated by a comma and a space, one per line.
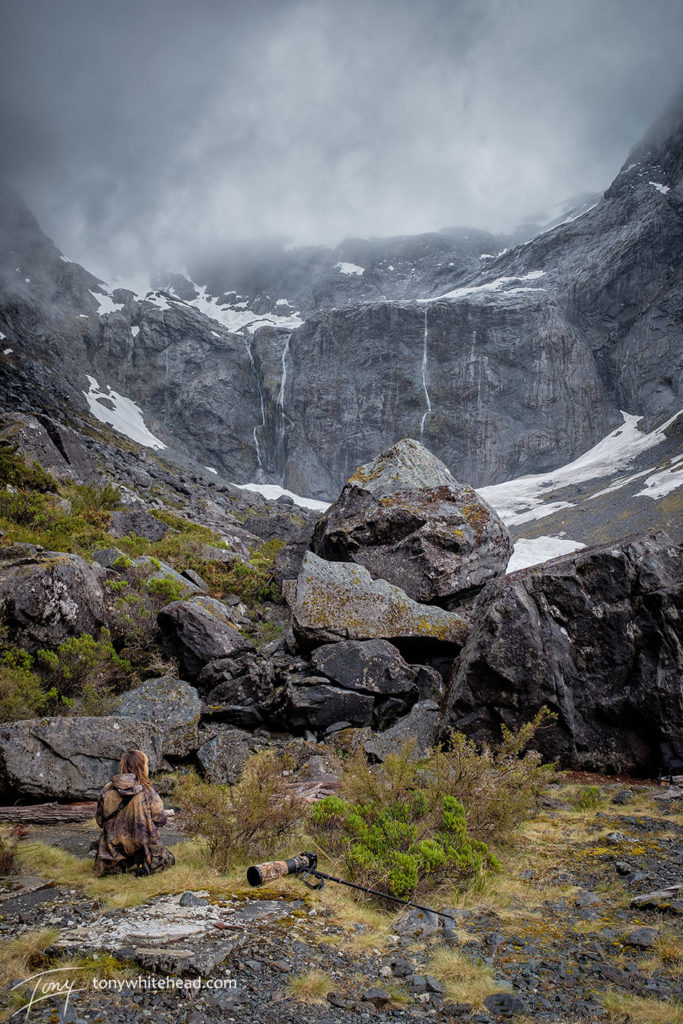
point(47, 596)
point(173, 705)
point(597, 637)
point(223, 756)
point(199, 631)
point(137, 523)
point(340, 601)
point(368, 666)
point(408, 521)
point(420, 726)
point(316, 705)
point(70, 758)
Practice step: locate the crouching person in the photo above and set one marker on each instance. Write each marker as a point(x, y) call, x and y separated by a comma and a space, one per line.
point(129, 812)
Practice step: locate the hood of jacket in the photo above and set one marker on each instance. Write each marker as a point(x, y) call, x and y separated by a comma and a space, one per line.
point(127, 784)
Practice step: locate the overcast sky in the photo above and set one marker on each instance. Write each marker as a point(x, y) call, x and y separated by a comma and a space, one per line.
point(143, 132)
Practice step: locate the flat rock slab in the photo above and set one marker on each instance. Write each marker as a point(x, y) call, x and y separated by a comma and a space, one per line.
point(670, 899)
point(14, 886)
point(165, 936)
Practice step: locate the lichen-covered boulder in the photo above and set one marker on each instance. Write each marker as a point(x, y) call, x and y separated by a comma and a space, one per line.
point(408, 521)
point(138, 523)
point(223, 756)
point(340, 601)
point(420, 726)
point(199, 631)
point(316, 705)
point(172, 705)
point(47, 596)
point(70, 758)
point(596, 637)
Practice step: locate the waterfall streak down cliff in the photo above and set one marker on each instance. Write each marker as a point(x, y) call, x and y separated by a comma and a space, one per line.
point(424, 378)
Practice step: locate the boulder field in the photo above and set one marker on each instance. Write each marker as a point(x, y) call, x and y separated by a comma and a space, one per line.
point(400, 624)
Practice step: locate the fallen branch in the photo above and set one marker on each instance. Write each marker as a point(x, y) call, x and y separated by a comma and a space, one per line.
point(49, 814)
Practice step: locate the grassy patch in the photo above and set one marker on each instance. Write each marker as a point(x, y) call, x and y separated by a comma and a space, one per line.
point(310, 986)
point(465, 980)
point(622, 1007)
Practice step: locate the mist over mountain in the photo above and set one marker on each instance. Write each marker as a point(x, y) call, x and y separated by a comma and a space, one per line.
point(149, 137)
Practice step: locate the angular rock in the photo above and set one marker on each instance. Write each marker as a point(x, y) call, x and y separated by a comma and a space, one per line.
point(377, 996)
point(596, 637)
point(48, 596)
point(416, 923)
point(318, 705)
point(223, 757)
point(421, 724)
point(137, 523)
point(408, 521)
point(172, 705)
point(57, 448)
point(504, 1003)
point(156, 569)
point(643, 938)
point(341, 601)
point(70, 758)
point(199, 631)
point(368, 666)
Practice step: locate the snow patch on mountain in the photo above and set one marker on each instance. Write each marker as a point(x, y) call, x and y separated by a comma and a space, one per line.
point(236, 317)
point(664, 482)
point(105, 303)
point(660, 188)
point(272, 492)
point(534, 551)
point(501, 284)
point(522, 499)
point(350, 268)
point(121, 413)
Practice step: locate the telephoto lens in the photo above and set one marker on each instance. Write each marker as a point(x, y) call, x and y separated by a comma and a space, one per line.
point(259, 874)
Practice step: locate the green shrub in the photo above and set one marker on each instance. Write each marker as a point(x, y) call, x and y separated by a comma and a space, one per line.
point(166, 589)
point(588, 798)
point(21, 693)
point(85, 673)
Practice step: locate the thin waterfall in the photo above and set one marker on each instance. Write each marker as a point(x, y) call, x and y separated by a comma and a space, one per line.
point(257, 378)
point(281, 426)
point(424, 379)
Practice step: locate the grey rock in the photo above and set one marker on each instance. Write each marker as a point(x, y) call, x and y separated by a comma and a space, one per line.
point(368, 666)
point(172, 705)
point(196, 579)
point(189, 899)
point(107, 556)
point(643, 938)
point(377, 996)
point(434, 985)
point(402, 968)
point(623, 867)
point(156, 569)
point(199, 631)
point(70, 758)
point(317, 705)
point(408, 521)
point(421, 724)
point(624, 796)
point(340, 601)
point(223, 757)
point(504, 1003)
point(137, 523)
point(417, 924)
point(48, 596)
point(594, 636)
point(57, 448)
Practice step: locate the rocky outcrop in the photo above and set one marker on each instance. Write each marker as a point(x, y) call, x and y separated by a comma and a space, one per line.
point(419, 728)
point(135, 522)
point(597, 638)
point(172, 705)
point(315, 705)
point(199, 631)
point(58, 449)
point(340, 601)
point(408, 521)
point(48, 596)
point(70, 758)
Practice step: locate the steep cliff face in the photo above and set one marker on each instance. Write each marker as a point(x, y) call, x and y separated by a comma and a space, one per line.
point(502, 365)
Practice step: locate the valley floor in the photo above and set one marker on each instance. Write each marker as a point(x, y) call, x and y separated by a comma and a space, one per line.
point(555, 930)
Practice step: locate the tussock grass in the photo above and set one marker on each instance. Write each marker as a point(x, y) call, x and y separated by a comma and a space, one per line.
point(621, 1006)
point(19, 956)
point(310, 987)
point(466, 981)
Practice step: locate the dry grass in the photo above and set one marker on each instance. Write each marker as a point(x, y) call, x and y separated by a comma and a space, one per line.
point(309, 987)
point(191, 871)
point(621, 1006)
point(345, 911)
point(465, 980)
point(18, 956)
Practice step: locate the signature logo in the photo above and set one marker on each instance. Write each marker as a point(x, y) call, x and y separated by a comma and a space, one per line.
point(44, 985)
